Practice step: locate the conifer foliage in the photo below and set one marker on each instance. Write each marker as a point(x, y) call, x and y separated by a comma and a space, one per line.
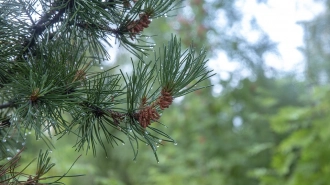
point(47, 87)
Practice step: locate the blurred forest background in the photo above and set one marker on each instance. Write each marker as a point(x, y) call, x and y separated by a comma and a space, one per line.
point(265, 126)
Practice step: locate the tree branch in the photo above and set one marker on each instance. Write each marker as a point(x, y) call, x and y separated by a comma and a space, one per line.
point(39, 28)
point(7, 105)
point(45, 22)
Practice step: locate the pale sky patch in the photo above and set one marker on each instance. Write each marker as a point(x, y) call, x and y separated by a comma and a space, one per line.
point(278, 18)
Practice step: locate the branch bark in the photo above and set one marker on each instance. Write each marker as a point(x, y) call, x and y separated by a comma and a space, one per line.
point(7, 105)
point(43, 23)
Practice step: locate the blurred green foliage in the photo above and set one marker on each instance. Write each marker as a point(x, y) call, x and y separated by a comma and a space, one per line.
point(262, 129)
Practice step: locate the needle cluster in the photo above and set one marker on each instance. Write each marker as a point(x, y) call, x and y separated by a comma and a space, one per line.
point(48, 87)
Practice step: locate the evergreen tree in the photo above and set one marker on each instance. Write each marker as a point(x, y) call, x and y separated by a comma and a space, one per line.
point(302, 156)
point(316, 49)
point(48, 87)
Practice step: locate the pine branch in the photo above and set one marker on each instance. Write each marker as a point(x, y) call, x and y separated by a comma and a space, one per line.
point(7, 105)
point(60, 15)
point(51, 75)
point(50, 18)
point(10, 175)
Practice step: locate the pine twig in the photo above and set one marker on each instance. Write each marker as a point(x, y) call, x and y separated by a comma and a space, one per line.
point(7, 105)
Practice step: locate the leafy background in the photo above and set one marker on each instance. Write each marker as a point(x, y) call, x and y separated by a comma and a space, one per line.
point(268, 127)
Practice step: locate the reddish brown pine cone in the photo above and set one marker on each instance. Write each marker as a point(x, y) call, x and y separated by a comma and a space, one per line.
point(147, 115)
point(165, 99)
point(117, 117)
point(137, 26)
